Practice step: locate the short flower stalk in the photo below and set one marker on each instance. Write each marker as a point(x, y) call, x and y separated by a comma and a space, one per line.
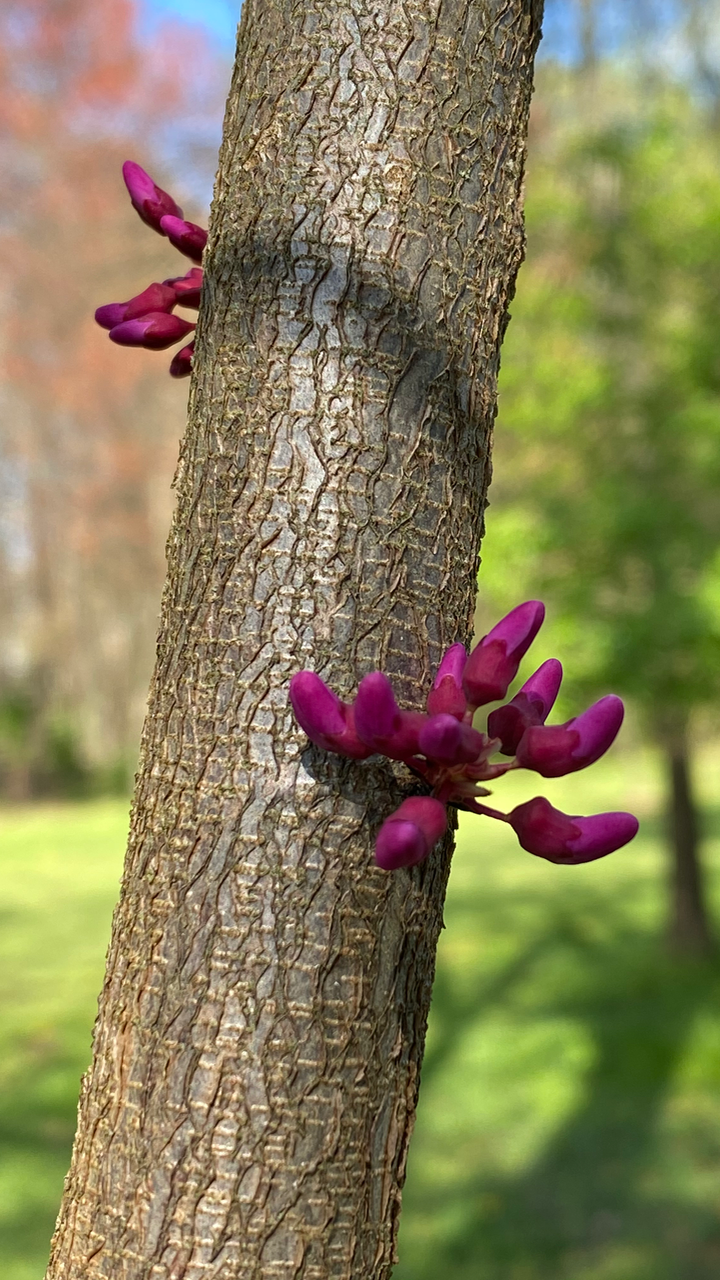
point(454, 759)
point(147, 320)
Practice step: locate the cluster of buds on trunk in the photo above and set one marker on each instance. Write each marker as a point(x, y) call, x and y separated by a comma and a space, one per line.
point(147, 320)
point(454, 759)
point(442, 747)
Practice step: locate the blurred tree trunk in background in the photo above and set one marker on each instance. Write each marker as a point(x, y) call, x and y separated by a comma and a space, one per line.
point(88, 436)
point(257, 1054)
point(588, 35)
point(689, 924)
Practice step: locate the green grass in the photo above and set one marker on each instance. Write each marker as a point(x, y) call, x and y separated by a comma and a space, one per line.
point(59, 872)
point(569, 1124)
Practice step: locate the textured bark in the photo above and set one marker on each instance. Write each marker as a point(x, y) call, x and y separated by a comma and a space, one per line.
point(690, 932)
point(257, 1052)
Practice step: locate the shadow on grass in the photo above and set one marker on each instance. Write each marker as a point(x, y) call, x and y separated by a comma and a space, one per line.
point(585, 1207)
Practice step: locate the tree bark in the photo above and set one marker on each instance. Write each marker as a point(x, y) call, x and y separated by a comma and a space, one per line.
point(690, 932)
point(258, 1046)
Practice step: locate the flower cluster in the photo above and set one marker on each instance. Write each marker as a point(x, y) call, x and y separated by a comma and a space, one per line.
point(453, 758)
point(147, 320)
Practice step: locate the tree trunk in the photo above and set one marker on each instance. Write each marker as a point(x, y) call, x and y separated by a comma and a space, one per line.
point(690, 932)
point(588, 35)
point(258, 1046)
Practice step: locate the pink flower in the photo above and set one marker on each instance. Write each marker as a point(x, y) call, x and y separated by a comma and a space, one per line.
point(327, 721)
point(494, 662)
point(149, 200)
point(447, 696)
point(181, 363)
point(449, 741)
point(408, 835)
point(111, 314)
point(187, 288)
point(157, 297)
point(554, 750)
point(553, 835)
point(453, 759)
point(531, 705)
point(157, 330)
point(381, 723)
point(135, 323)
point(185, 236)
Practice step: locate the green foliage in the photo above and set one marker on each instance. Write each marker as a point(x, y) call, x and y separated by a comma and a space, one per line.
point(607, 457)
point(16, 713)
point(40, 755)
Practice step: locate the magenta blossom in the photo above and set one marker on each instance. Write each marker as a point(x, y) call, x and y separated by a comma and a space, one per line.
point(454, 759)
point(181, 363)
point(554, 750)
point(147, 320)
point(550, 834)
point(150, 201)
point(155, 330)
point(408, 835)
point(493, 663)
point(530, 706)
point(327, 721)
point(185, 236)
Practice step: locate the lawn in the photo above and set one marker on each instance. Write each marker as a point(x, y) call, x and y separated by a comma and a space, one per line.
point(59, 873)
point(569, 1127)
point(569, 1124)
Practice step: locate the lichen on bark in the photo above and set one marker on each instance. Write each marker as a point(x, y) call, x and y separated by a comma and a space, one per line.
point(258, 1047)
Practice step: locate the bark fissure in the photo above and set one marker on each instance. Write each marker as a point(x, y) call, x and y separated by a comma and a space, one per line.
point(257, 1052)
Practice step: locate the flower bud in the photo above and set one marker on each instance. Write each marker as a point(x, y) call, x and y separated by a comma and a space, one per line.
point(446, 696)
point(157, 297)
point(548, 833)
point(448, 741)
point(181, 364)
point(494, 662)
point(554, 750)
point(187, 288)
point(327, 721)
point(149, 200)
point(380, 722)
point(111, 314)
point(531, 705)
point(155, 331)
point(408, 835)
point(185, 236)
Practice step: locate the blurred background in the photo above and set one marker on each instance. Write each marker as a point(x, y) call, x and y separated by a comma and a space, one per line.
point(569, 1124)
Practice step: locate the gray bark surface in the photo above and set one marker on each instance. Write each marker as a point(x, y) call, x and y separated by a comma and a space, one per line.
point(258, 1047)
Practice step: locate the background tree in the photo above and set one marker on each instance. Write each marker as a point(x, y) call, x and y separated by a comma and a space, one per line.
point(608, 490)
point(257, 1054)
